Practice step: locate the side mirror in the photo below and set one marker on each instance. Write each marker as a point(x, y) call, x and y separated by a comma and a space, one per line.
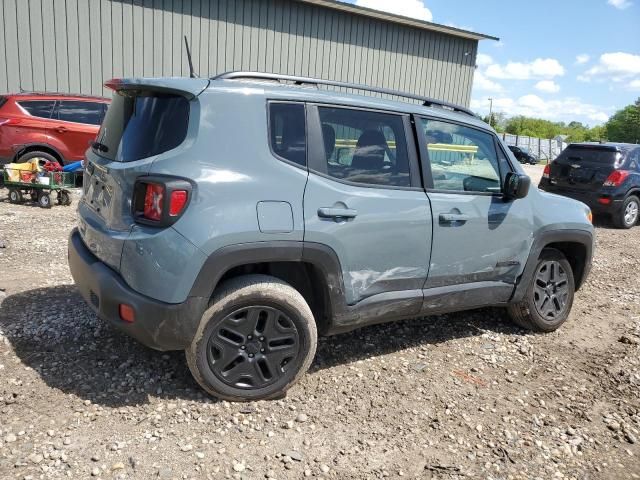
point(516, 186)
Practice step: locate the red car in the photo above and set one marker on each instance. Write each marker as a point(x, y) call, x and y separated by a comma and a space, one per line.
point(50, 125)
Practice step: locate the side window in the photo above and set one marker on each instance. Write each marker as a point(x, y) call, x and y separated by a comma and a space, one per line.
point(287, 131)
point(90, 113)
point(462, 158)
point(634, 160)
point(38, 108)
point(505, 166)
point(365, 147)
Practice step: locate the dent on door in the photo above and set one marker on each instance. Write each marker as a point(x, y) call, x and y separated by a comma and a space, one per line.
point(478, 238)
point(381, 237)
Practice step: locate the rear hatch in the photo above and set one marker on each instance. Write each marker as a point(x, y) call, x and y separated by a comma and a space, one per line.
point(146, 119)
point(584, 167)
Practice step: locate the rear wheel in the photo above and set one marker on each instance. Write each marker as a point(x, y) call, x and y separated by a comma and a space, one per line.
point(628, 215)
point(64, 198)
point(15, 196)
point(549, 297)
point(256, 340)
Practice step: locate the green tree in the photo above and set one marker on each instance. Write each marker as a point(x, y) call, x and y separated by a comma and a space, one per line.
point(624, 125)
point(534, 127)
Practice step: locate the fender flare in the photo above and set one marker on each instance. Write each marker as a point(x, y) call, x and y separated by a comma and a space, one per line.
point(542, 240)
point(18, 149)
point(320, 256)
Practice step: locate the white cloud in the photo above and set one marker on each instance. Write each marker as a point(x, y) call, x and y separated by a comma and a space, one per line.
point(565, 109)
point(482, 83)
point(406, 8)
point(539, 68)
point(620, 4)
point(483, 60)
point(548, 86)
point(582, 59)
point(617, 66)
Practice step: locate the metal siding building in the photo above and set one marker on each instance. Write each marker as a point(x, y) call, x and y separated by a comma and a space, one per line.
point(75, 45)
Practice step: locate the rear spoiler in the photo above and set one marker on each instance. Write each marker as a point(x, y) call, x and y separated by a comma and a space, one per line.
point(187, 87)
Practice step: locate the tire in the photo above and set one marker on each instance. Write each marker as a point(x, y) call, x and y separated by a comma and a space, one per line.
point(44, 200)
point(36, 153)
point(15, 196)
point(628, 215)
point(64, 198)
point(533, 313)
point(256, 339)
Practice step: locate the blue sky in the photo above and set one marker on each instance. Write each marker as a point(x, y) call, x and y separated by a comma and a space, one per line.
point(560, 60)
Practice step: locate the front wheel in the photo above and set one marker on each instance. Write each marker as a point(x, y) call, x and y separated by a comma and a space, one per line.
point(44, 199)
point(628, 215)
point(549, 297)
point(256, 340)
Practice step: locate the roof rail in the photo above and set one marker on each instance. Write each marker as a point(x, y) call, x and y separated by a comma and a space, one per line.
point(426, 101)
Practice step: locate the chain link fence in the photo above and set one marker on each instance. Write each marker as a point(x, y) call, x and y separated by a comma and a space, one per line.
point(545, 149)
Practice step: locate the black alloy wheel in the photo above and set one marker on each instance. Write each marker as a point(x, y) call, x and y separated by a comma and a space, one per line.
point(551, 290)
point(256, 339)
point(252, 347)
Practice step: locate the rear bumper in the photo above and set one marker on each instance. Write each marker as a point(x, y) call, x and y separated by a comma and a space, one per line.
point(589, 198)
point(158, 325)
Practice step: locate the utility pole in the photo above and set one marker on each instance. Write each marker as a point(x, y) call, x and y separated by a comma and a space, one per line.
point(491, 111)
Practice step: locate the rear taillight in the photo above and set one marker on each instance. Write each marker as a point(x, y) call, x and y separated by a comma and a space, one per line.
point(616, 178)
point(153, 202)
point(160, 200)
point(177, 201)
point(546, 171)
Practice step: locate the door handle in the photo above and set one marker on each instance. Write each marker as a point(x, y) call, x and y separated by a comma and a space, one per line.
point(61, 129)
point(330, 212)
point(453, 217)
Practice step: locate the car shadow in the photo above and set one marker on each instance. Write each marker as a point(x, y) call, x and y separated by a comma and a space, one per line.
point(56, 334)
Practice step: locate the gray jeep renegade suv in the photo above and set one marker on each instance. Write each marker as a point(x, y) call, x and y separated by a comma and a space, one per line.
point(238, 217)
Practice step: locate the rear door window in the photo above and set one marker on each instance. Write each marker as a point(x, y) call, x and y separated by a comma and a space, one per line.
point(90, 113)
point(365, 147)
point(38, 108)
point(142, 124)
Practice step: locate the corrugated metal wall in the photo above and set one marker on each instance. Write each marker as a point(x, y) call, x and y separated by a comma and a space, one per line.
point(74, 45)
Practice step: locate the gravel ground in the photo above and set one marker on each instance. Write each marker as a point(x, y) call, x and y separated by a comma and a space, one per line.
point(453, 396)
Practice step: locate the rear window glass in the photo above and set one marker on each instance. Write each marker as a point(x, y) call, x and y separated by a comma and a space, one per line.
point(607, 156)
point(141, 125)
point(287, 132)
point(90, 113)
point(38, 108)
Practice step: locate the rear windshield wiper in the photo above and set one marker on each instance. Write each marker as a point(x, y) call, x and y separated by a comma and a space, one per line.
point(101, 147)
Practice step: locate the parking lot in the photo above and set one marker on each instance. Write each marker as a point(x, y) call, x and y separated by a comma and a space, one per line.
point(452, 396)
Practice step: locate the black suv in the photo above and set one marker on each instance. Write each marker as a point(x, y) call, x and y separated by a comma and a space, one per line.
point(523, 155)
point(605, 176)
